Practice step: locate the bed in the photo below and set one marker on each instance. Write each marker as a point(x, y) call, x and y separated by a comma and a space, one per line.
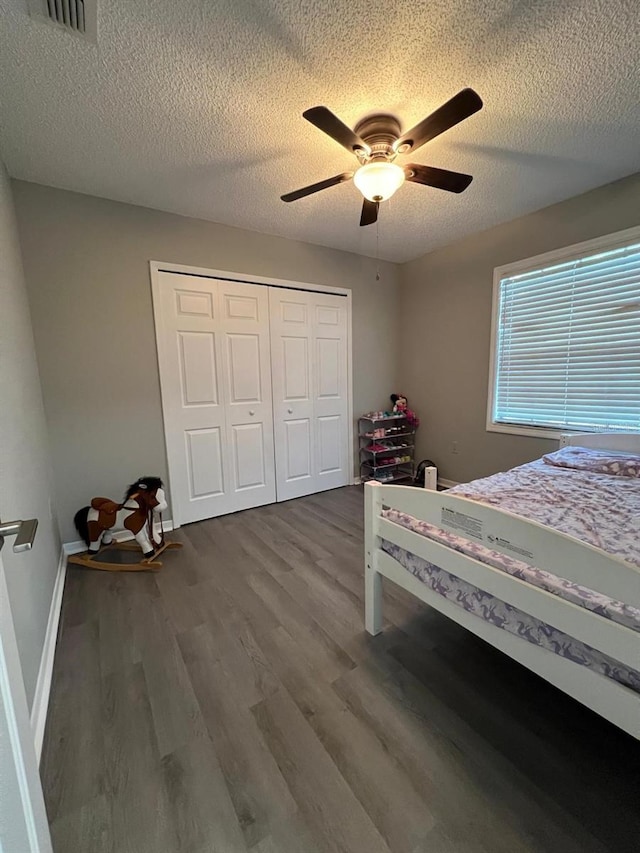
point(542, 562)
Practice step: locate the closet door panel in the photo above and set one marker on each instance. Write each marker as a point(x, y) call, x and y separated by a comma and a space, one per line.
point(298, 449)
point(290, 318)
point(198, 373)
point(309, 370)
point(249, 412)
point(295, 361)
point(204, 462)
point(213, 353)
point(189, 340)
point(330, 389)
point(248, 456)
point(245, 369)
point(329, 430)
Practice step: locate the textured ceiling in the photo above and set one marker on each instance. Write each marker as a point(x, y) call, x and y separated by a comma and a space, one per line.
point(195, 107)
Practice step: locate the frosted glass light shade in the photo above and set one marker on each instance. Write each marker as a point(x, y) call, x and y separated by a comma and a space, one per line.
point(378, 180)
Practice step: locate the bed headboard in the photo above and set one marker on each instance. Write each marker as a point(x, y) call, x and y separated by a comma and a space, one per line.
point(628, 442)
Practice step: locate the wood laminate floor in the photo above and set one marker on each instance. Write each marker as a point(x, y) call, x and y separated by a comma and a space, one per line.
point(233, 703)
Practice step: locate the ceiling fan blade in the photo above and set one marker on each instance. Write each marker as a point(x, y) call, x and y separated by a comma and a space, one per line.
point(461, 106)
point(330, 124)
point(314, 188)
point(441, 179)
point(369, 212)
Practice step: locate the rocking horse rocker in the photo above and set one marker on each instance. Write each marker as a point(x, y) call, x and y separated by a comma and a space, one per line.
point(143, 500)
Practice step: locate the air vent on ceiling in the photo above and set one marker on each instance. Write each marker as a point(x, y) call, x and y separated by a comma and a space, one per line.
point(76, 16)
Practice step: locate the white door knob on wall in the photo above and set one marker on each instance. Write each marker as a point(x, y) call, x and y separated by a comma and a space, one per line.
point(290, 411)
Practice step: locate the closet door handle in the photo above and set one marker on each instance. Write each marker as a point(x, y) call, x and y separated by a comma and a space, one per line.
point(290, 411)
point(251, 412)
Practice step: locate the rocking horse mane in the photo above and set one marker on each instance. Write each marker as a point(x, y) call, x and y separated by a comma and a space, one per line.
point(151, 484)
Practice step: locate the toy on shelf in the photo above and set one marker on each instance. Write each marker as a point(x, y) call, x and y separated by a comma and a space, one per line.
point(400, 407)
point(143, 500)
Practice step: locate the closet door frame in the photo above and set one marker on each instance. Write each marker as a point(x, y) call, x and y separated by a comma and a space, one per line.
point(157, 267)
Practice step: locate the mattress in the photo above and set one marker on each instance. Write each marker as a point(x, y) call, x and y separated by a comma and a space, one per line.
point(600, 509)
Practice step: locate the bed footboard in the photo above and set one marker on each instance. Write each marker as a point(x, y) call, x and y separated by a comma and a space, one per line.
point(537, 545)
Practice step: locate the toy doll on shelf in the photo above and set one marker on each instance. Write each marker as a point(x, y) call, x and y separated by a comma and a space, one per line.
point(400, 407)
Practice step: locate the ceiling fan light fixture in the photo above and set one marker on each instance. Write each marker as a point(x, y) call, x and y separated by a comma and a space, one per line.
point(378, 180)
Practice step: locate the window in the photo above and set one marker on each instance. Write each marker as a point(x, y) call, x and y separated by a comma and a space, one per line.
point(566, 340)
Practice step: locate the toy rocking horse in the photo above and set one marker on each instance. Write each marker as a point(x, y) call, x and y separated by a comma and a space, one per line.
point(143, 499)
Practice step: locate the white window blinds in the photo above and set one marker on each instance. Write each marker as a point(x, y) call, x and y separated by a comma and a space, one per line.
point(568, 345)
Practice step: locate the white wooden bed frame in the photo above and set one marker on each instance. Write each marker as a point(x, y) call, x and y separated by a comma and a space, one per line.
point(547, 549)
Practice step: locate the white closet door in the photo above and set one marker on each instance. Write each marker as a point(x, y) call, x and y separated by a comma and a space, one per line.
point(330, 391)
point(310, 387)
point(291, 354)
point(247, 380)
point(213, 352)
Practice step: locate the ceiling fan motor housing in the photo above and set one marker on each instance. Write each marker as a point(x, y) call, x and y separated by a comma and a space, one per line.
point(379, 131)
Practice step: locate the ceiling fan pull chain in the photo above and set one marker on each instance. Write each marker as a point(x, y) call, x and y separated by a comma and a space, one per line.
point(377, 250)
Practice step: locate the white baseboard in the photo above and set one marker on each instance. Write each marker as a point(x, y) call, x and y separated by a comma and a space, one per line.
point(77, 546)
point(447, 484)
point(40, 703)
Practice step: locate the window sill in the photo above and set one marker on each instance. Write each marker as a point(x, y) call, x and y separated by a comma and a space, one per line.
point(531, 431)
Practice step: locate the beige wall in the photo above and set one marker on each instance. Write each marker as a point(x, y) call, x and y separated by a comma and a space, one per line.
point(86, 263)
point(25, 481)
point(445, 321)
point(87, 267)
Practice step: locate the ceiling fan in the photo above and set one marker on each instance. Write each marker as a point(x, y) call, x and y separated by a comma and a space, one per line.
point(377, 140)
